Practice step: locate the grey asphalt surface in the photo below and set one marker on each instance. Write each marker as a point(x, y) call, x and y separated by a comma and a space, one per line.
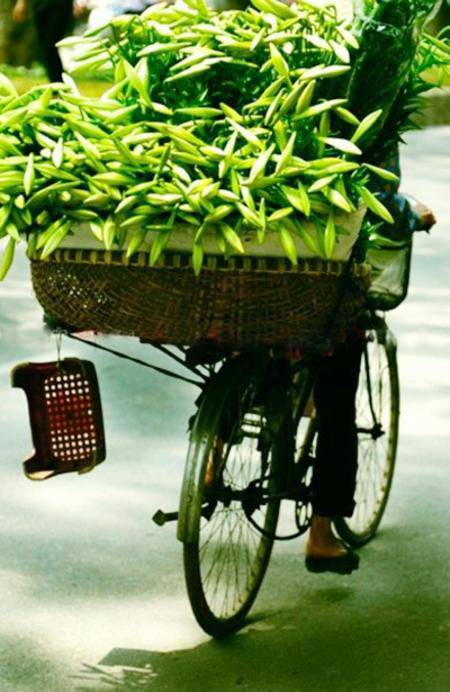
point(92, 593)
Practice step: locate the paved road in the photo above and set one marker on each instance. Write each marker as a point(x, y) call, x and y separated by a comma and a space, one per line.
point(92, 594)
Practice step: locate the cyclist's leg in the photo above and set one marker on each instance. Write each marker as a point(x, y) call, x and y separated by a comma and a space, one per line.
point(337, 446)
point(335, 468)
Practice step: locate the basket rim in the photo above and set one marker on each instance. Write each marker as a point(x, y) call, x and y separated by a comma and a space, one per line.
point(182, 235)
point(170, 304)
point(212, 263)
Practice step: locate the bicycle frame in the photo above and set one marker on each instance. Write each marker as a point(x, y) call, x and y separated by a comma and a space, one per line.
point(226, 386)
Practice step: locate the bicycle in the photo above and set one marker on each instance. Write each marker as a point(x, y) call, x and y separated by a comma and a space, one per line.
point(252, 438)
point(251, 448)
point(243, 464)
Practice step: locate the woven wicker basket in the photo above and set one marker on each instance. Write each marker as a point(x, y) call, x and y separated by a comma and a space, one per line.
point(239, 303)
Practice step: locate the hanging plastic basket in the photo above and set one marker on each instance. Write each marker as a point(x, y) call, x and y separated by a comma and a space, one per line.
point(65, 415)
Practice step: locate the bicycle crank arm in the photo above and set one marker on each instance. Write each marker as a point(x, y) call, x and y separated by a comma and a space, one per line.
point(375, 432)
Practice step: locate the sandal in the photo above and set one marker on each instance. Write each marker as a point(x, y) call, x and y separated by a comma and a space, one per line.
point(342, 564)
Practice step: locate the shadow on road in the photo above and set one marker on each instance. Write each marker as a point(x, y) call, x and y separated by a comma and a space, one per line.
point(395, 643)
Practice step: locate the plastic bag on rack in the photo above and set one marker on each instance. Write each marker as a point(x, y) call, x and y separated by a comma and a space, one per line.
point(390, 256)
point(391, 268)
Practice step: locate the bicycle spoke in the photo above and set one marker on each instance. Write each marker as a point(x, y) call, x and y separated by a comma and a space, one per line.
point(230, 548)
point(374, 465)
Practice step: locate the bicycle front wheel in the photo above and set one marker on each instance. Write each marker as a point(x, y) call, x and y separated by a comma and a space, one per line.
point(377, 419)
point(227, 492)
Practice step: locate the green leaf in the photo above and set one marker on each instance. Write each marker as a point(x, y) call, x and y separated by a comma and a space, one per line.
point(375, 205)
point(197, 258)
point(136, 241)
point(321, 183)
point(246, 134)
point(322, 72)
point(58, 153)
point(321, 108)
point(298, 198)
point(279, 9)
point(291, 100)
point(348, 37)
point(228, 155)
point(29, 176)
point(250, 216)
point(288, 245)
point(230, 113)
point(158, 245)
point(5, 211)
point(109, 233)
point(190, 72)
point(219, 213)
point(280, 214)
point(366, 124)
point(341, 52)
point(200, 112)
point(31, 245)
point(347, 116)
point(286, 153)
point(247, 196)
point(341, 145)
point(97, 231)
point(278, 61)
point(12, 230)
point(7, 85)
point(270, 113)
point(257, 39)
point(310, 240)
point(337, 199)
point(56, 239)
point(342, 167)
point(329, 237)
point(280, 135)
point(7, 258)
point(261, 231)
point(260, 164)
point(232, 238)
point(382, 173)
point(158, 48)
point(318, 42)
point(306, 97)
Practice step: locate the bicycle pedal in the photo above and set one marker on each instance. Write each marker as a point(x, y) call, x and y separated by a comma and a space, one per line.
point(160, 518)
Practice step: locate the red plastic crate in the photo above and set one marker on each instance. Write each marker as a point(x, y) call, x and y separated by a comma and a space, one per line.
point(65, 416)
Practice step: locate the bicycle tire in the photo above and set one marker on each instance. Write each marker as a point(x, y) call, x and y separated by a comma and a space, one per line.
point(234, 382)
point(377, 457)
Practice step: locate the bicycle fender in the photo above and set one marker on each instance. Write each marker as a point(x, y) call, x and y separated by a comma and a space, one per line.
point(390, 340)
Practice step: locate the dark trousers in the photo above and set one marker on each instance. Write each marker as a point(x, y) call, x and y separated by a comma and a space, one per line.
point(53, 20)
point(334, 478)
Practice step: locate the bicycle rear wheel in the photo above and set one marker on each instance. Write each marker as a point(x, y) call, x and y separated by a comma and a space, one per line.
point(377, 419)
point(229, 479)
